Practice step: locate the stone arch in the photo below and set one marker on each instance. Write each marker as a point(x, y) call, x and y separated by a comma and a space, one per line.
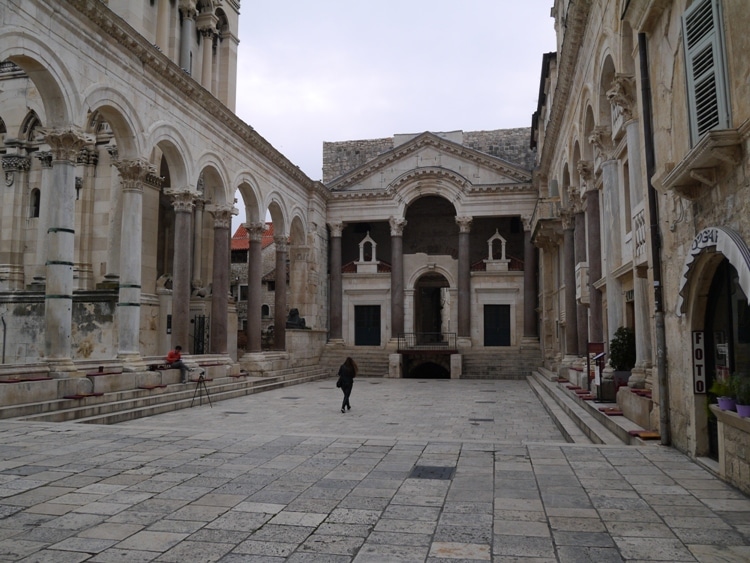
point(247, 185)
point(575, 175)
point(121, 116)
point(421, 182)
point(52, 78)
point(278, 212)
point(606, 77)
point(589, 124)
point(431, 226)
point(436, 269)
point(175, 152)
point(214, 174)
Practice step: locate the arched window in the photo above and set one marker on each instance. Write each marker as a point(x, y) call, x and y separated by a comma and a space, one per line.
point(265, 311)
point(35, 203)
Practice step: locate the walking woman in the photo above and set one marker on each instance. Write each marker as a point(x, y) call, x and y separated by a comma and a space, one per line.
point(347, 373)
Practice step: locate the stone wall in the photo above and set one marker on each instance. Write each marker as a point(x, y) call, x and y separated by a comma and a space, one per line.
point(734, 448)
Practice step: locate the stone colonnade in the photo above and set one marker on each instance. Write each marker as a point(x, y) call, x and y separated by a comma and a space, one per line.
point(397, 280)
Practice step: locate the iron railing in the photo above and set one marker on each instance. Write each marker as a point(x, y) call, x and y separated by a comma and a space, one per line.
point(427, 341)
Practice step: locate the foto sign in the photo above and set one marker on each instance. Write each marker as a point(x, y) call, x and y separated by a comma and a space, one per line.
point(699, 362)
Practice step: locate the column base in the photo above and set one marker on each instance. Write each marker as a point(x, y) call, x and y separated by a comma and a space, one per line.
point(637, 378)
point(61, 368)
point(132, 362)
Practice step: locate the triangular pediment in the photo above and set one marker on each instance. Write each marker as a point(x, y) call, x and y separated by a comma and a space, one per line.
point(427, 156)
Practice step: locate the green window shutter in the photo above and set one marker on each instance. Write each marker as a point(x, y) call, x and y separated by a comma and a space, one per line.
point(704, 65)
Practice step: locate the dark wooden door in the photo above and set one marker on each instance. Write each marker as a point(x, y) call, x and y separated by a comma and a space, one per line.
point(367, 325)
point(497, 325)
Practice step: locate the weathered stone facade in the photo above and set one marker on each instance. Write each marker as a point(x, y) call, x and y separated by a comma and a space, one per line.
point(643, 196)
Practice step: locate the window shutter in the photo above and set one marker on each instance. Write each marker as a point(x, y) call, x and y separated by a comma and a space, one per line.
point(704, 62)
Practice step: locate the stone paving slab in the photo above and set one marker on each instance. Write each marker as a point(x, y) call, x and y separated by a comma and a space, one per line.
point(418, 470)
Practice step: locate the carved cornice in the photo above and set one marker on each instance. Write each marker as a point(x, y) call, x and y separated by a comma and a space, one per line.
point(172, 77)
point(428, 173)
point(575, 32)
point(16, 163)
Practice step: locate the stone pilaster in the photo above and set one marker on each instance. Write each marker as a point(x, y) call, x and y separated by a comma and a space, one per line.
point(579, 243)
point(206, 23)
point(182, 202)
point(280, 312)
point(397, 275)
point(83, 271)
point(187, 32)
point(336, 293)
point(40, 268)
point(13, 198)
point(464, 277)
point(220, 294)
point(196, 282)
point(569, 279)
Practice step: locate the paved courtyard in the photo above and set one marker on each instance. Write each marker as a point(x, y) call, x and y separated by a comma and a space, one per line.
point(442, 471)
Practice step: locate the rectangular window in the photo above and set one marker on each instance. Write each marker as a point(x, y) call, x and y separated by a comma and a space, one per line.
point(243, 293)
point(704, 67)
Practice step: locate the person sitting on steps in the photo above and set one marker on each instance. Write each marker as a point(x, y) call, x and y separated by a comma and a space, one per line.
point(174, 360)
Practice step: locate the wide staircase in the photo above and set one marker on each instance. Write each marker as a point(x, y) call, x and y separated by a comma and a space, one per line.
point(119, 406)
point(499, 363)
point(371, 363)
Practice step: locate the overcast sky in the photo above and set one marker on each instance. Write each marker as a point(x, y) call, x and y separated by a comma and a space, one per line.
point(337, 70)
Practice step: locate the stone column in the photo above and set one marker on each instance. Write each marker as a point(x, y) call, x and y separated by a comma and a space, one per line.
point(207, 39)
point(530, 284)
point(45, 159)
point(594, 258)
point(634, 162)
point(569, 279)
point(182, 201)
point(58, 310)
point(254, 285)
point(162, 26)
point(197, 279)
point(612, 249)
point(188, 11)
point(280, 312)
point(336, 293)
point(579, 243)
point(219, 304)
point(464, 278)
point(643, 351)
point(133, 175)
point(83, 271)
point(114, 226)
point(397, 276)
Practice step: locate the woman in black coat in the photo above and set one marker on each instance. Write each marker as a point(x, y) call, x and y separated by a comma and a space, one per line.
point(347, 373)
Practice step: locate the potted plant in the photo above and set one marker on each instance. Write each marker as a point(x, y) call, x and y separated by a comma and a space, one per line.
point(622, 352)
point(742, 395)
point(723, 389)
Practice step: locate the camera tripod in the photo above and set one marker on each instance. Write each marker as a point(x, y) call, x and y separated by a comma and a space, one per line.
point(200, 387)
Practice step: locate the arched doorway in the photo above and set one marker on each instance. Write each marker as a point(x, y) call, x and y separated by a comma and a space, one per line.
point(727, 334)
point(431, 306)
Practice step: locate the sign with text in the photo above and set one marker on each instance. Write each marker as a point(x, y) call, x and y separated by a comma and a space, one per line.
point(699, 362)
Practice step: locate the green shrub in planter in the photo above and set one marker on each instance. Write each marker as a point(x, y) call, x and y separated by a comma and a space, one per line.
point(741, 389)
point(722, 388)
point(622, 349)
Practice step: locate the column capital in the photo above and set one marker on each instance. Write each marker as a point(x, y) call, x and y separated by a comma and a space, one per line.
point(255, 230)
point(601, 138)
point(397, 226)
point(45, 158)
point(133, 173)
point(281, 242)
point(222, 216)
point(67, 142)
point(182, 200)
point(88, 156)
point(464, 223)
point(621, 95)
point(188, 8)
point(336, 229)
point(15, 163)
point(206, 24)
point(526, 220)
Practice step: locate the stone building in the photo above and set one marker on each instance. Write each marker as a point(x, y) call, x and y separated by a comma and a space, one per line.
point(641, 134)
point(431, 260)
point(122, 157)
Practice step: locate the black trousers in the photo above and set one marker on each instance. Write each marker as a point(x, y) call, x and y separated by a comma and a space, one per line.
point(347, 389)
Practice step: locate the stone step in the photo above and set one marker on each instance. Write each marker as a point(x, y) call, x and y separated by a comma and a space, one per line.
point(143, 402)
point(564, 406)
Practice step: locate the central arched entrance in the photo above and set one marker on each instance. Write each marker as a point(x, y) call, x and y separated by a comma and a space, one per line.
point(431, 306)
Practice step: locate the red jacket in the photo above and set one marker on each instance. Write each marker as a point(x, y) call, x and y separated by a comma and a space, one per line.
point(173, 356)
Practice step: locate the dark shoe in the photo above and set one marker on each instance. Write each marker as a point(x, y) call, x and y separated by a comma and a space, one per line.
point(342, 409)
point(348, 408)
